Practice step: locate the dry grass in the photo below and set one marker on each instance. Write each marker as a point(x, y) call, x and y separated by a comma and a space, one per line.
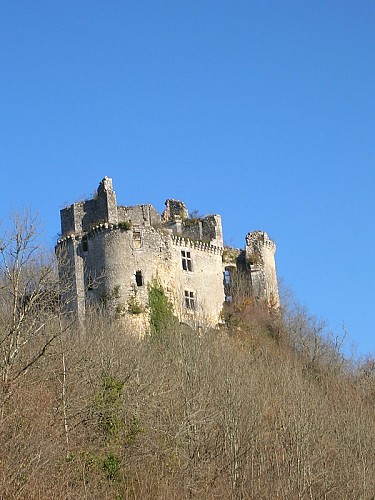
point(240, 413)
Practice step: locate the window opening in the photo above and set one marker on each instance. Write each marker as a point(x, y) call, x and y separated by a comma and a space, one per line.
point(137, 239)
point(226, 277)
point(189, 300)
point(186, 260)
point(85, 244)
point(139, 278)
point(227, 280)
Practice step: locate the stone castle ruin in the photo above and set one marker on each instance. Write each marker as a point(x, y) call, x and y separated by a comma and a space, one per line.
point(113, 253)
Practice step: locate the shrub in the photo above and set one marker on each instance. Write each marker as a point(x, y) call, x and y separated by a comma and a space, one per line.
point(161, 310)
point(134, 307)
point(125, 225)
point(111, 466)
point(108, 406)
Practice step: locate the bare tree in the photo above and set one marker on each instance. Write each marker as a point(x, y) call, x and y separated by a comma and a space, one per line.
point(28, 299)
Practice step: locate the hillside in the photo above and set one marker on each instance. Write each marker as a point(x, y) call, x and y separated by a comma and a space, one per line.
point(264, 407)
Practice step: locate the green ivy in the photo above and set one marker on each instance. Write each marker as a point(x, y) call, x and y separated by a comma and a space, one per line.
point(161, 310)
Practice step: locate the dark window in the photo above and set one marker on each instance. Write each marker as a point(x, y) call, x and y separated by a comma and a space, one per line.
point(139, 278)
point(189, 300)
point(186, 260)
point(85, 244)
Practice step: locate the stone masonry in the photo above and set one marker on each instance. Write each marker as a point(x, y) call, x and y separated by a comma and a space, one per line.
point(112, 253)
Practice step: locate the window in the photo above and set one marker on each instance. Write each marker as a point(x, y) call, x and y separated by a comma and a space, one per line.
point(139, 278)
point(226, 277)
point(227, 280)
point(85, 244)
point(186, 260)
point(137, 239)
point(189, 300)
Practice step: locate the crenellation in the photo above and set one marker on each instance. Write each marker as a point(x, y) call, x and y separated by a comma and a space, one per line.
point(130, 246)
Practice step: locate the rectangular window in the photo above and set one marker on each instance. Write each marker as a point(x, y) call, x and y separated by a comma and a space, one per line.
point(85, 244)
point(137, 239)
point(186, 260)
point(139, 278)
point(226, 277)
point(189, 300)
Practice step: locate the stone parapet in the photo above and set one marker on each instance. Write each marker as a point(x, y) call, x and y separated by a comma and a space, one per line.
point(197, 245)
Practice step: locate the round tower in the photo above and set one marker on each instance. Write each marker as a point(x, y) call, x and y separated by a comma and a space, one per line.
point(260, 256)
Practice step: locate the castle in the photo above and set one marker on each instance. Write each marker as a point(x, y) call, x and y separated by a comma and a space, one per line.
point(113, 253)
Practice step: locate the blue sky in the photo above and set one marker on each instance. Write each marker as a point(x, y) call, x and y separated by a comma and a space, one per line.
point(261, 111)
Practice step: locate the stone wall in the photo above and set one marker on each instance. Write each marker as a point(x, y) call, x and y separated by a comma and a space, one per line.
point(83, 215)
point(260, 255)
point(175, 209)
point(114, 252)
point(204, 281)
point(118, 268)
point(142, 215)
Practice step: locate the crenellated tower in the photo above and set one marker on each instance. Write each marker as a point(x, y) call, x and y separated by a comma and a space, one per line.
point(260, 257)
point(109, 254)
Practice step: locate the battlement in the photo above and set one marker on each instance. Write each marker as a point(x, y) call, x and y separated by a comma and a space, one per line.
point(81, 216)
point(260, 238)
point(197, 245)
point(95, 228)
point(130, 246)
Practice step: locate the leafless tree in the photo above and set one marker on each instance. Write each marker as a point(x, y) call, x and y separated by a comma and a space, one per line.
point(29, 299)
point(231, 413)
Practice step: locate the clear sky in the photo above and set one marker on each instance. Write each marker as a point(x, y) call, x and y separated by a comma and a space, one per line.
point(261, 111)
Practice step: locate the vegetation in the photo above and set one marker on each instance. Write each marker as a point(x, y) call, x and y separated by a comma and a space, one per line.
point(254, 258)
point(267, 407)
point(230, 255)
point(134, 307)
point(161, 310)
point(125, 225)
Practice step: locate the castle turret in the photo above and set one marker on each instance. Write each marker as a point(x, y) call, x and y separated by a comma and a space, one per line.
point(260, 256)
point(82, 215)
point(109, 254)
point(76, 221)
point(106, 201)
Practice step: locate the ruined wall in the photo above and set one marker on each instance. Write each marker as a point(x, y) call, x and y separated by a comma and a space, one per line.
point(67, 220)
point(142, 215)
point(212, 230)
point(115, 262)
point(175, 209)
point(260, 255)
point(112, 263)
point(71, 276)
point(206, 229)
point(115, 256)
point(83, 215)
